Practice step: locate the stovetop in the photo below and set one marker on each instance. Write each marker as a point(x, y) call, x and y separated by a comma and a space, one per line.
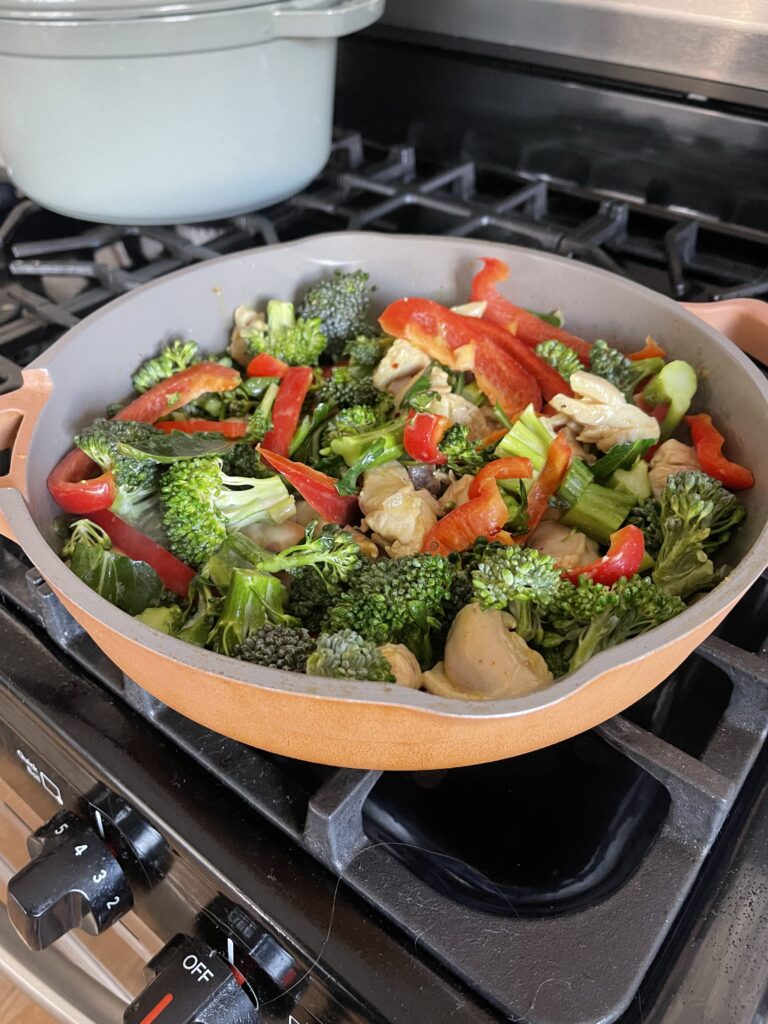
point(604, 878)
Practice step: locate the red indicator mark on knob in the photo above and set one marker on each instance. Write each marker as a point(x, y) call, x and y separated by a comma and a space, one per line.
point(155, 1012)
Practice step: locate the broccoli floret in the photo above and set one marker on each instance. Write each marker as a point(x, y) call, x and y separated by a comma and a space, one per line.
point(347, 386)
point(399, 600)
point(297, 341)
point(646, 517)
point(366, 451)
point(253, 598)
point(636, 605)
point(174, 357)
point(243, 460)
point(366, 350)
point(310, 597)
point(333, 552)
point(260, 420)
point(519, 580)
point(462, 455)
point(278, 646)
point(623, 373)
point(341, 303)
point(201, 504)
point(560, 356)
point(136, 480)
point(697, 515)
point(357, 419)
point(346, 655)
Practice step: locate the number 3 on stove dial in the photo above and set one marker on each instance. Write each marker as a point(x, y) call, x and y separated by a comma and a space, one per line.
point(100, 876)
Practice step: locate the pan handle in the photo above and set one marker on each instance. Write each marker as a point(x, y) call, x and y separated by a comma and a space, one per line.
point(19, 412)
point(744, 321)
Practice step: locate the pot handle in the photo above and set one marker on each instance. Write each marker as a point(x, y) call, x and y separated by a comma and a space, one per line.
point(19, 411)
point(329, 21)
point(744, 321)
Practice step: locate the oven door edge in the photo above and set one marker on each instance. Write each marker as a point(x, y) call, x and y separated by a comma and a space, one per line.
point(51, 980)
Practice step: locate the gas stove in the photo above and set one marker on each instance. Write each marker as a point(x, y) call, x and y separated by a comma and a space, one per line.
point(619, 876)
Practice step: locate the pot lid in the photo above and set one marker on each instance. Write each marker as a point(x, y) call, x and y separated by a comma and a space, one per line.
point(126, 10)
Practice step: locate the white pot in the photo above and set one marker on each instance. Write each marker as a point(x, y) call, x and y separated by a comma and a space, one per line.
point(168, 112)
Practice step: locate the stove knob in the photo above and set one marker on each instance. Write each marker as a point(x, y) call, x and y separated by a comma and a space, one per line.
point(73, 881)
point(191, 984)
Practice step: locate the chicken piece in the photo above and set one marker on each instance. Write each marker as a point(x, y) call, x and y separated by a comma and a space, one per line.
point(246, 318)
point(560, 424)
point(275, 536)
point(601, 416)
point(394, 511)
point(366, 545)
point(455, 494)
point(305, 514)
point(405, 667)
point(569, 548)
point(670, 458)
point(455, 407)
point(402, 359)
point(486, 660)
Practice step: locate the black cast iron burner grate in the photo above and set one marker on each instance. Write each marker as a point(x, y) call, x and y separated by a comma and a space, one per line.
point(547, 966)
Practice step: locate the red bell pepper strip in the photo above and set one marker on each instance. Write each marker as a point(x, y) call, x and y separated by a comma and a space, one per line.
point(503, 380)
point(483, 516)
point(286, 411)
point(708, 442)
point(229, 428)
point(265, 365)
point(550, 478)
point(527, 326)
point(183, 387)
point(318, 489)
point(546, 376)
point(649, 351)
point(176, 576)
point(73, 483)
point(71, 489)
point(423, 432)
point(428, 325)
point(624, 558)
point(513, 468)
point(440, 332)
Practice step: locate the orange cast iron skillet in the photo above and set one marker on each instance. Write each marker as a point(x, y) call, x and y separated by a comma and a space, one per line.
point(362, 724)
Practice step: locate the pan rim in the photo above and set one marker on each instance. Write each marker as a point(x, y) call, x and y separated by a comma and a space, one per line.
point(383, 694)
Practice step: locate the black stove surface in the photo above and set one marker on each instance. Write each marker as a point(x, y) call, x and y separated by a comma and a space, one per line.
point(544, 888)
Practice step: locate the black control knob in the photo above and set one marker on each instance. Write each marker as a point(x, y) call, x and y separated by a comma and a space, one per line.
point(74, 881)
point(191, 984)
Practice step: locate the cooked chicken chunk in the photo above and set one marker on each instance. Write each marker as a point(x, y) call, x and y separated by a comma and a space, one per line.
point(569, 548)
point(397, 513)
point(246, 318)
point(455, 494)
point(402, 359)
point(670, 458)
point(455, 407)
point(405, 667)
point(601, 416)
point(275, 536)
point(486, 660)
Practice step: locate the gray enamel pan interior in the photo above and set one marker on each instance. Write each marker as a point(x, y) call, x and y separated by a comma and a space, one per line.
point(91, 366)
